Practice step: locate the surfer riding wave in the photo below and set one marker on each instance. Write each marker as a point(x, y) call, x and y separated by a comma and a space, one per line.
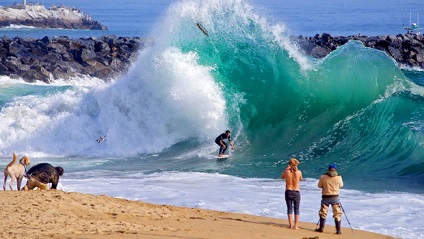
point(220, 142)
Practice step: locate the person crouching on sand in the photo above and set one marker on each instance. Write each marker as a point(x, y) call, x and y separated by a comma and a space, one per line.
point(293, 176)
point(40, 175)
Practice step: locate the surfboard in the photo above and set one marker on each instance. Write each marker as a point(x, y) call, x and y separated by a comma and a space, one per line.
point(223, 156)
point(202, 28)
point(101, 139)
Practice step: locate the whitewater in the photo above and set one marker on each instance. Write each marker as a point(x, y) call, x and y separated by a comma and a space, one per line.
point(355, 108)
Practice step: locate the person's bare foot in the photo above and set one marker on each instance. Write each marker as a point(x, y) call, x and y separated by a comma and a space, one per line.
point(295, 228)
point(289, 227)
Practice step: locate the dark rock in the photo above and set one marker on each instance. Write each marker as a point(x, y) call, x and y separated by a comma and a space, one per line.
point(31, 76)
point(382, 44)
point(104, 73)
point(101, 47)
point(26, 60)
point(45, 39)
point(320, 51)
point(406, 49)
point(67, 57)
point(116, 64)
point(48, 59)
point(3, 70)
point(420, 57)
point(87, 55)
point(3, 52)
point(57, 48)
point(12, 63)
point(15, 49)
point(395, 53)
point(326, 37)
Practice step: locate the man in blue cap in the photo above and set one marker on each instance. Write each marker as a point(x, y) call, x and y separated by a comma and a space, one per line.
point(330, 183)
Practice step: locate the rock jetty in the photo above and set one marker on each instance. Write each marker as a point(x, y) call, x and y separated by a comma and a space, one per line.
point(39, 16)
point(49, 59)
point(405, 49)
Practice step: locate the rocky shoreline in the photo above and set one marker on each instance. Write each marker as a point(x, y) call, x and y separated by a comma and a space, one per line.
point(49, 59)
point(406, 49)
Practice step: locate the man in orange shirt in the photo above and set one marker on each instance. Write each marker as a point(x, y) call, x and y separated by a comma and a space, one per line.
point(330, 182)
point(292, 175)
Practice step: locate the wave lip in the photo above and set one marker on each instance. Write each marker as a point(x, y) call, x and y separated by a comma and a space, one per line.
point(354, 107)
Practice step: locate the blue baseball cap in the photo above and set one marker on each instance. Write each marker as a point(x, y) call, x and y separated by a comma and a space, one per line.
point(332, 166)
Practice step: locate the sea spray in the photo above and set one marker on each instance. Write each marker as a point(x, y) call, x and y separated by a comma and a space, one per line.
point(338, 109)
point(354, 107)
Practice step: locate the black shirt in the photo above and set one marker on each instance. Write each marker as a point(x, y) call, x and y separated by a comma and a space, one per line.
point(222, 137)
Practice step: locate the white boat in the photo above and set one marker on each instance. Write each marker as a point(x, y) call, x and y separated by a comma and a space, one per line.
point(413, 27)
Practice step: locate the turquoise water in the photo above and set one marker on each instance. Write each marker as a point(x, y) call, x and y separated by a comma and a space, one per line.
point(355, 108)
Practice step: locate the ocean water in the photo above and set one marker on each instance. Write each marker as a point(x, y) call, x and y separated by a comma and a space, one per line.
point(355, 108)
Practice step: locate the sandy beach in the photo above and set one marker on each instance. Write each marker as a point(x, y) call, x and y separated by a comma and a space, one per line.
point(58, 214)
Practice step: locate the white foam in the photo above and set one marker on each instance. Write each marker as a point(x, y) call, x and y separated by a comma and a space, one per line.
point(395, 214)
point(17, 26)
point(231, 20)
point(167, 97)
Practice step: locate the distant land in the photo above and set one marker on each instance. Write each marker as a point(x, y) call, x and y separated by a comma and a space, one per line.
point(36, 15)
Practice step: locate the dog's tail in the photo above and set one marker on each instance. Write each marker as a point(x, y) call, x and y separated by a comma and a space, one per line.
point(13, 161)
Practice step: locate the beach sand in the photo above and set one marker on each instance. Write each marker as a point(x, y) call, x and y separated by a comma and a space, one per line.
point(58, 214)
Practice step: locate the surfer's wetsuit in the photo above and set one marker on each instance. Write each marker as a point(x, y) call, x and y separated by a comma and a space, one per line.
point(218, 140)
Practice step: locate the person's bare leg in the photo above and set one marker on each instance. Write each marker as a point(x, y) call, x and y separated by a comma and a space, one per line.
point(290, 220)
point(296, 221)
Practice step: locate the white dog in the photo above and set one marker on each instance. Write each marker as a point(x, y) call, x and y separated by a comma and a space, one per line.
point(15, 171)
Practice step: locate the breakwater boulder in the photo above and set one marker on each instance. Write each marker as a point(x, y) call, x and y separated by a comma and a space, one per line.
point(55, 17)
point(405, 49)
point(49, 59)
